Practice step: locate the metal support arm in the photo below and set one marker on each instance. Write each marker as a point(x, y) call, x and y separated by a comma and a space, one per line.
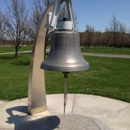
point(36, 87)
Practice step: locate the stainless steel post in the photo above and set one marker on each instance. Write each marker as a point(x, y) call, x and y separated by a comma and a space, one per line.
point(36, 87)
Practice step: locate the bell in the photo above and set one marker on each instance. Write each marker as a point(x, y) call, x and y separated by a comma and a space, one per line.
point(65, 54)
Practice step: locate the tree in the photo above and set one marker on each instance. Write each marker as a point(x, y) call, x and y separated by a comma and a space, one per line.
point(89, 35)
point(97, 38)
point(122, 38)
point(47, 2)
point(38, 8)
point(83, 38)
point(2, 28)
point(128, 38)
point(37, 11)
point(16, 24)
point(114, 30)
point(107, 37)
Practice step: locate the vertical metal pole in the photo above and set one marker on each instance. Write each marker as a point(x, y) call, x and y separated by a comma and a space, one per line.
point(65, 90)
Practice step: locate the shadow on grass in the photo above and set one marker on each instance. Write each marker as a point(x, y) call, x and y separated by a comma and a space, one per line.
point(6, 57)
point(24, 63)
point(14, 61)
point(26, 53)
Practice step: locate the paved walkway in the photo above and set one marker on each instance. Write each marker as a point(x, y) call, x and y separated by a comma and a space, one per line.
point(106, 55)
point(85, 54)
point(20, 52)
point(106, 113)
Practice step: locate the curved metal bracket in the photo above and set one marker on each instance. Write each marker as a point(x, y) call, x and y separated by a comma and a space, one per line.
point(53, 17)
point(36, 87)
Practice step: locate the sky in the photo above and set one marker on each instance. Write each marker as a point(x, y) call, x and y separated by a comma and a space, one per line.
point(97, 13)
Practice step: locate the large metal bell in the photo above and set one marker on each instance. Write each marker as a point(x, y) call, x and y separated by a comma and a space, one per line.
point(65, 54)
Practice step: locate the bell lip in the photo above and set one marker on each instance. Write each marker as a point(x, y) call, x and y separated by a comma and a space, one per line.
point(65, 69)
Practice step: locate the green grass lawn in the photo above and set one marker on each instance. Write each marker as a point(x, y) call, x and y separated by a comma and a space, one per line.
point(109, 77)
point(125, 51)
point(92, 49)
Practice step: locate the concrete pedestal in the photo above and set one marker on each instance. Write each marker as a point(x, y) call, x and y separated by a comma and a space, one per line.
point(82, 111)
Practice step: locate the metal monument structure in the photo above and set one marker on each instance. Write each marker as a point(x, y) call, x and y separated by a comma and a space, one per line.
point(65, 55)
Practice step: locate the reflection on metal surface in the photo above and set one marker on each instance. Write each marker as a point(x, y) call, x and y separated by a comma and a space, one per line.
point(36, 87)
point(65, 54)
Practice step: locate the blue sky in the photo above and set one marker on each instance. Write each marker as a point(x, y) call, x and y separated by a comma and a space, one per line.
point(96, 13)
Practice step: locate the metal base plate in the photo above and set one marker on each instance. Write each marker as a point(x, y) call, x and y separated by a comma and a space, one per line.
point(71, 122)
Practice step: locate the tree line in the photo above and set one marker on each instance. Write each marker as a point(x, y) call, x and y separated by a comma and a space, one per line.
point(18, 27)
point(116, 35)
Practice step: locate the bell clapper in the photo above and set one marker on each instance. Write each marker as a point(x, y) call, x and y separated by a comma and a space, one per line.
point(65, 90)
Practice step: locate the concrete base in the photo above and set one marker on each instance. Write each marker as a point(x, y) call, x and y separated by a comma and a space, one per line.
point(108, 113)
point(1, 102)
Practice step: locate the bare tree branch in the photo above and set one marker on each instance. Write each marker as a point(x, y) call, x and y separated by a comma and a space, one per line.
point(16, 23)
point(89, 34)
point(114, 29)
point(2, 29)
